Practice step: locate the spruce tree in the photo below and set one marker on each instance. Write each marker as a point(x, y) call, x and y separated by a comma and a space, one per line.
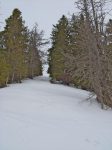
point(16, 43)
point(56, 52)
point(4, 68)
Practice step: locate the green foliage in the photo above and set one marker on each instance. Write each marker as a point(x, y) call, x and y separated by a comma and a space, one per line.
point(4, 69)
point(68, 61)
point(15, 42)
point(59, 47)
point(17, 49)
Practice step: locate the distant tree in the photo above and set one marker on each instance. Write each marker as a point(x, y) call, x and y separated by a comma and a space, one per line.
point(34, 58)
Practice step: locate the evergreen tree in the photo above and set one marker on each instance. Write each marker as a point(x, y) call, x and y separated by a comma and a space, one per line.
point(20, 50)
point(2, 40)
point(57, 60)
point(68, 58)
point(4, 68)
point(16, 44)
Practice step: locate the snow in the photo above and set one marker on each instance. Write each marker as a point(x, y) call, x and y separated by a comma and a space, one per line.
point(38, 115)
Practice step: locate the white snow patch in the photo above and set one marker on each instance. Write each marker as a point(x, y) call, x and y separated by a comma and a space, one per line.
point(37, 115)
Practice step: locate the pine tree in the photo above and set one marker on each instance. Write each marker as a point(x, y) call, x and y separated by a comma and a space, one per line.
point(2, 40)
point(16, 43)
point(4, 68)
point(57, 60)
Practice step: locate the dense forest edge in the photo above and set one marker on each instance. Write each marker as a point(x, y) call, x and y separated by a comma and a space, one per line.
point(81, 51)
point(80, 54)
point(20, 55)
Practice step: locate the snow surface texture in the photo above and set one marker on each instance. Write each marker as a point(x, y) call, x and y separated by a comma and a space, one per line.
point(37, 115)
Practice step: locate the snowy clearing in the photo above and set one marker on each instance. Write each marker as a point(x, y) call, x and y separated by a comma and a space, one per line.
point(37, 115)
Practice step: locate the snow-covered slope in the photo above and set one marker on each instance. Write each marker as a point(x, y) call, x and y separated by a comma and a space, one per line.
point(37, 115)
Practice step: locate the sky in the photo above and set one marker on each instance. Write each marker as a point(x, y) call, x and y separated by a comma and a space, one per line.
point(44, 12)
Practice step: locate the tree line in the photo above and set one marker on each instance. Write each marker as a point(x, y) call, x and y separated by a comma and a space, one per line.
point(81, 50)
point(20, 55)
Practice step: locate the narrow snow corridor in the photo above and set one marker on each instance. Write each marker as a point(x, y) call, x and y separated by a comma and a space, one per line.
point(38, 115)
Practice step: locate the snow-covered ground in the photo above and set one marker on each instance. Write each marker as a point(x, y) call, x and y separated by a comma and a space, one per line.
point(37, 115)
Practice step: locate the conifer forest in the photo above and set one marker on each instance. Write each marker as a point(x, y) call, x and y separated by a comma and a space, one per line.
point(79, 55)
point(19, 51)
point(81, 51)
point(55, 74)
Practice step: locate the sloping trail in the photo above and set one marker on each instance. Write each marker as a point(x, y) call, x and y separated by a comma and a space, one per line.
point(38, 115)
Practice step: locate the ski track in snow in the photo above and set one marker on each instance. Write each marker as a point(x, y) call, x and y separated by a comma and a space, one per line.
point(38, 115)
